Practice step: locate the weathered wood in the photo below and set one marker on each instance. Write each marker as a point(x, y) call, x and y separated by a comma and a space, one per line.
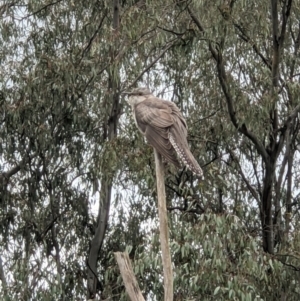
point(131, 284)
point(163, 228)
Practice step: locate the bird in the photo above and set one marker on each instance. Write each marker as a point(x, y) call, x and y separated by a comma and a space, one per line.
point(164, 127)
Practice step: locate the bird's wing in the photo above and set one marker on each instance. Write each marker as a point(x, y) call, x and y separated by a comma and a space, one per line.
point(179, 128)
point(177, 116)
point(155, 113)
point(162, 145)
point(160, 113)
point(154, 117)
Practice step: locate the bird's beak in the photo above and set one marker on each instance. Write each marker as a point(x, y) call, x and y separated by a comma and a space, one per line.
point(126, 93)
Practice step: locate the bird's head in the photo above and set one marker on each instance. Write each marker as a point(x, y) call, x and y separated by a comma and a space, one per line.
point(138, 95)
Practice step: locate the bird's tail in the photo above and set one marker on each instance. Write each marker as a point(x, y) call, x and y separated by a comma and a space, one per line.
point(186, 156)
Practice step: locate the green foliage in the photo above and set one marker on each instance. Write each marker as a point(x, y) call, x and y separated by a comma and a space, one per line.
point(213, 258)
point(57, 67)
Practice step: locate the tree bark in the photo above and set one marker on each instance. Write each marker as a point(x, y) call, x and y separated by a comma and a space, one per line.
point(163, 228)
point(131, 284)
point(266, 210)
point(93, 283)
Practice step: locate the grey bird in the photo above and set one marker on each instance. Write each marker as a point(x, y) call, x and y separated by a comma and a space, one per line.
point(164, 127)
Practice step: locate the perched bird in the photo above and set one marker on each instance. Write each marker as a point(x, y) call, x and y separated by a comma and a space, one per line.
point(164, 127)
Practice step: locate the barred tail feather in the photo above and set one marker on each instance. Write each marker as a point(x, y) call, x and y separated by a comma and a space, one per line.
point(186, 157)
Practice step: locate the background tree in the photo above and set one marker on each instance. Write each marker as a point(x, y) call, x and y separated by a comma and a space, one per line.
point(76, 178)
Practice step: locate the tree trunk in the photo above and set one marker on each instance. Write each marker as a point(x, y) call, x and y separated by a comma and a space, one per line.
point(266, 211)
point(106, 183)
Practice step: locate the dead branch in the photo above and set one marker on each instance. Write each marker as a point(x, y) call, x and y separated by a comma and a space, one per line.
point(130, 282)
point(163, 227)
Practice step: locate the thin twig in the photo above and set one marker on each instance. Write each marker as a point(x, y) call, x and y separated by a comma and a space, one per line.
point(151, 65)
